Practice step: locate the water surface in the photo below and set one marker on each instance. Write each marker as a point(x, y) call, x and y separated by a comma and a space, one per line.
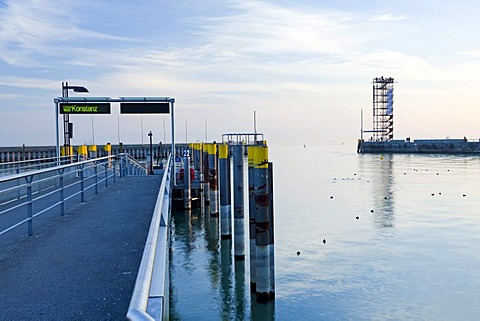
point(414, 258)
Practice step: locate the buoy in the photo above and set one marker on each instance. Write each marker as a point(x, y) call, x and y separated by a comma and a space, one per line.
point(433, 194)
point(324, 241)
point(385, 197)
point(381, 157)
point(464, 195)
point(298, 253)
point(357, 217)
point(371, 211)
point(331, 197)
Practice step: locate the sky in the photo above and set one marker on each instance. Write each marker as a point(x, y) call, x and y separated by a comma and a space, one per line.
point(303, 67)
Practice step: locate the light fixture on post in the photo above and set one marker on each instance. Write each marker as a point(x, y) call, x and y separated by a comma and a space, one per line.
point(67, 126)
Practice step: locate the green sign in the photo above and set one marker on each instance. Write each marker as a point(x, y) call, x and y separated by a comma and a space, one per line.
point(79, 108)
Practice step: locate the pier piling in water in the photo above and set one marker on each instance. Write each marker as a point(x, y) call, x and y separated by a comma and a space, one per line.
point(251, 219)
point(187, 192)
point(262, 223)
point(213, 179)
point(238, 202)
point(225, 193)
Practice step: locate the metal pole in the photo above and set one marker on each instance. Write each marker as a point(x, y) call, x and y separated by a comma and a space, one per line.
point(82, 184)
point(57, 134)
point(213, 179)
point(151, 153)
point(262, 218)
point(238, 203)
point(29, 205)
point(172, 102)
point(225, 194)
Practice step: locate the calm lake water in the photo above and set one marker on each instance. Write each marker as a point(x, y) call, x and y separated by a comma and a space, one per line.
point(416, 257)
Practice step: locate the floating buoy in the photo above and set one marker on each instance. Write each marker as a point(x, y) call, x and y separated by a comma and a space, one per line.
point(433, 194)
point(324, 241)
point(381, 157)
point(371, 211)
point(385, 197)
point(439, 193)
point(464, 195)
point(331, 197)
point(298, 253)
point(357, 217)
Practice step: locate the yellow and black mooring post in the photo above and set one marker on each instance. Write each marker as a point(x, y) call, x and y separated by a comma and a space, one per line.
point(264, 289)
point(213, 179)
point(238, 202)
point(206, 174)
point(225, 193)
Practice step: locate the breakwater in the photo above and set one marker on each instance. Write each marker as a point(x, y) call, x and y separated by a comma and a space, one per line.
point(138, 151)
point(420, 146)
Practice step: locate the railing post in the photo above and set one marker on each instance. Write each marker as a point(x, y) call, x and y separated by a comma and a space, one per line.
point(115, 170)
point(82, 184)
point(62, 192)
point(29, 204)
point(96, 177)
point(106, 175)
point(19, 195)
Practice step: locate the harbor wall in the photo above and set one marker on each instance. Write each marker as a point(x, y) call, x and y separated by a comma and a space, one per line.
point(421, 146)
point(138, 151)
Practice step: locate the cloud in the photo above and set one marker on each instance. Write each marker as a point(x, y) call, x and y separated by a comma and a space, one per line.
point(387, 17)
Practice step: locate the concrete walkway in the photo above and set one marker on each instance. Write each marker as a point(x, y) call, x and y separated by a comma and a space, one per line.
point(82, 266)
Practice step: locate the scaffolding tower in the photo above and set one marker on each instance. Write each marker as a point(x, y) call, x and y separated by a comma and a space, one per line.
point(383, 109)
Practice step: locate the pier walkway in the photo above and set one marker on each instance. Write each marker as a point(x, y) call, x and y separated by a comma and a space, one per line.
point(83, 265)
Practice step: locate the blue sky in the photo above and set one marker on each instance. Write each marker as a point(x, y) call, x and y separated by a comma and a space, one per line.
point(305, 67)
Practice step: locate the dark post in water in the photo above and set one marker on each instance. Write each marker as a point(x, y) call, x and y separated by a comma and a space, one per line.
point(262, 223)
point(225, 193)
point(187, 192)
point(213, 175)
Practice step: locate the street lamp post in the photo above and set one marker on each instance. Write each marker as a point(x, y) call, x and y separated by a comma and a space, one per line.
point(151, 152)
point(67, 126)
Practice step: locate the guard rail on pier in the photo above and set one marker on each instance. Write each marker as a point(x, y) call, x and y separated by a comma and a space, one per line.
point(150, 295)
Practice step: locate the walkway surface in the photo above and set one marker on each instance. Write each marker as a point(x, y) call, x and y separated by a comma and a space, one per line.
point(83, 265)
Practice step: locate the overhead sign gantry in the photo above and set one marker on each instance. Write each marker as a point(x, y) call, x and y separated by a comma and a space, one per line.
point(101, 105)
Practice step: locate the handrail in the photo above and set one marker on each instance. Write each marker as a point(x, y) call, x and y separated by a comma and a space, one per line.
point(29, 164)
point(153, 267)
point(58, 180)
point(127, 159)
point(46, 170)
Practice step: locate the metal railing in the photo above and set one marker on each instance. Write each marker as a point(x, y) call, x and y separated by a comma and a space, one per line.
point(150, 295)
point(9, 168)
point(130, 166)
point(53, 185)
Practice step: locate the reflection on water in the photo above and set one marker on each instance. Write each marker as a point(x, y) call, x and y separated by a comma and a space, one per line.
point(207, 283)
point(414, 258)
